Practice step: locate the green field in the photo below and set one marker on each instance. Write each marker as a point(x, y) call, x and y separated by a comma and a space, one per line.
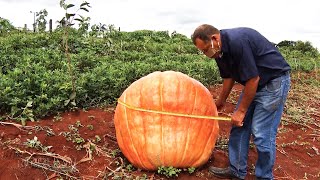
point(36, 80)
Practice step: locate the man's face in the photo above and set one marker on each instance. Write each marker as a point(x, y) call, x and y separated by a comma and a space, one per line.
point(208, 48)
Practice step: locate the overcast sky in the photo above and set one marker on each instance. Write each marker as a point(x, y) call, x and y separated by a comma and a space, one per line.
point(276, 19)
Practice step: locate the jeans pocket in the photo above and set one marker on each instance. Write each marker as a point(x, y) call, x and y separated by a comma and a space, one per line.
point(274, 85)
point(270, 97)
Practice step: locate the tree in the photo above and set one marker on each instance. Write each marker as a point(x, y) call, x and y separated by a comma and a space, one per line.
point(41, 20)
point(84, 23)
point(304, 47)
point(5, 25)
point(66, 23)
point(286, 43)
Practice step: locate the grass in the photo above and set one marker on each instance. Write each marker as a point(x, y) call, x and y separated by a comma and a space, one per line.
point(302, 104)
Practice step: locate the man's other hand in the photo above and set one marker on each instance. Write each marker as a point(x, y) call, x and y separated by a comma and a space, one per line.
point(237, 118)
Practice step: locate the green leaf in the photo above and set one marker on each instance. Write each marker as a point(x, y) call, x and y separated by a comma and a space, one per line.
point(66, 102)
point(73, 103)
point(85, 4)
point(72, 95)
point(70, 6)
point(31, 119)
point(62, 20)
point(29, 104)
point(62, 3)
point(85, 9)
point(23, 122)
point(77, 19)
point(69, 15)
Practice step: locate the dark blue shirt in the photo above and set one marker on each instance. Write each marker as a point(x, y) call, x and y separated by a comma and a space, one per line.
point(247, 54)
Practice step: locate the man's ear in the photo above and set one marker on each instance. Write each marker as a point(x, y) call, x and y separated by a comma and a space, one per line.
point(215, 36)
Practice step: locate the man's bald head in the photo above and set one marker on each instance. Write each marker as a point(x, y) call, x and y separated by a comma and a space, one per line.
point(204, 32)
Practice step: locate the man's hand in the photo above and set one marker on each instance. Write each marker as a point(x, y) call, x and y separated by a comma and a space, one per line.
point(248, 95)
point(220, 104)
point(237, 118)
point(226, 89)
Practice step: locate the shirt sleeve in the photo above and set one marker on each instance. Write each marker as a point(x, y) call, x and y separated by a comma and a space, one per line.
point(247, 67)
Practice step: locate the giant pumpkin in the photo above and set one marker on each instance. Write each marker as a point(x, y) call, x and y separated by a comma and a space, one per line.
point(151, 133)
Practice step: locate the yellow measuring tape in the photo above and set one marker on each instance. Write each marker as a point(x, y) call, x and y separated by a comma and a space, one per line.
point(174, 114)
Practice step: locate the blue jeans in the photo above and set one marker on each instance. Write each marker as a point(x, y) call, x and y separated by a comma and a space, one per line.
point(261, 121)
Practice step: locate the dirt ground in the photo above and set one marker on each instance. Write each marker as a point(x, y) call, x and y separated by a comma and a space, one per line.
point(81, 144)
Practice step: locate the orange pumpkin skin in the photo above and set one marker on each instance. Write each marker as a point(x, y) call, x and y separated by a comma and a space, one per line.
point(150, 140)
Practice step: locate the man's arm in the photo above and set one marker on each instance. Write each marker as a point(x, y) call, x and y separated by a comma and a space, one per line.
point(226, 89)
point(249, 93)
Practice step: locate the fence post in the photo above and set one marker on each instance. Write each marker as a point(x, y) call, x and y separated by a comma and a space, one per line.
point(50, 25)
